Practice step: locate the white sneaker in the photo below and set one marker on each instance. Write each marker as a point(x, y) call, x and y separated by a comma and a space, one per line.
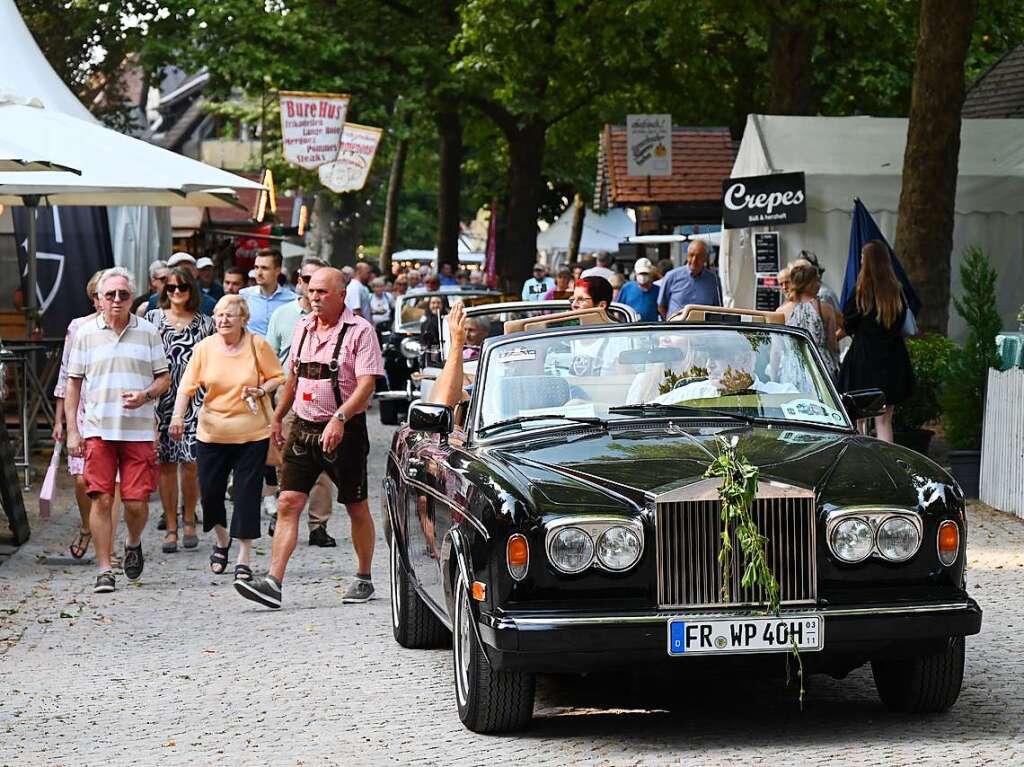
point(270, 506)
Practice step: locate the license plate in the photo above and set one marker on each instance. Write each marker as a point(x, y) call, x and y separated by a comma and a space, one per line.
point(747, 635)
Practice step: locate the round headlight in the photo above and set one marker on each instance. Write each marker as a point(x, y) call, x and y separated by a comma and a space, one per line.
point(897, 539)
point(618, 548)
point(571, 550)
point(852, 540)
point(410, 348)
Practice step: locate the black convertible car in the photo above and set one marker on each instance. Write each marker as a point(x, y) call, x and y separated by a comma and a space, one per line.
point(560, 521)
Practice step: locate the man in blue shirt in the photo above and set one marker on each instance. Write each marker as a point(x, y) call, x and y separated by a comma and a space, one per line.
point(640, 292)
point(690, 284)
point(266, 295)
point(539, 284)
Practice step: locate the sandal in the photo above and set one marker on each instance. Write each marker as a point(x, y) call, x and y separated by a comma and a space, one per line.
point(170, 544)
point(243, 572)
point(81, 544)
point(190, 540)
point(219, 559)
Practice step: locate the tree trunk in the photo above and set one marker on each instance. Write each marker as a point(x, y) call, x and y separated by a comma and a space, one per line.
point(449, 128)
point(387, 242)
point(526, 160)
point(924, 232)
point(319, 243)
point(347, 233)
point(790, 47)
point(576, 233)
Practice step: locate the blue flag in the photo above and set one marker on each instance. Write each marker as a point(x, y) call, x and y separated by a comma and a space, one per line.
point(863, 229)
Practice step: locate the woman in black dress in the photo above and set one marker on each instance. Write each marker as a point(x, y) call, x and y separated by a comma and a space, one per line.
point(878, 357)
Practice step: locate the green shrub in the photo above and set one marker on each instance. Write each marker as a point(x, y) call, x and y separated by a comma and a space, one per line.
point(963, 392)
point(930, 356)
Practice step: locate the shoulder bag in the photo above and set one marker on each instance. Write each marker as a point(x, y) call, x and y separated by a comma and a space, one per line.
point(274, 457)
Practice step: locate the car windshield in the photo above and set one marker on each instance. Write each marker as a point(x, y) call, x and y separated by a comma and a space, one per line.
point(670, 369)
point(413, 307)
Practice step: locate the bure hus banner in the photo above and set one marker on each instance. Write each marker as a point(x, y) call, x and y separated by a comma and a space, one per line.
point(770, 200)
point(351, 168)
point(73, 244)
point(311, 126)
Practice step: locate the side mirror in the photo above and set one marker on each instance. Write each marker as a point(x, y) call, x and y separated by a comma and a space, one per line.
point(864, 403)
point(432, 419)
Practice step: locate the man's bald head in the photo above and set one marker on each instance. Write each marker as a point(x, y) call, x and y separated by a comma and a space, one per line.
point(327, 294)
point(697, 256)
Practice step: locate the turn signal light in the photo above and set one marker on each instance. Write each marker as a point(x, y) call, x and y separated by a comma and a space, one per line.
point(949, 542)
point(479, 591)
point(517, 554)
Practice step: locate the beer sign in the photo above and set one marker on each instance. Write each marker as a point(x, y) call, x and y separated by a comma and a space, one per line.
point(311, 126)
point(349, 171)
point(649, 145)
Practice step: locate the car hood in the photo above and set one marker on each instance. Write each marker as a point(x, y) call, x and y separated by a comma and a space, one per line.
point(601, 470)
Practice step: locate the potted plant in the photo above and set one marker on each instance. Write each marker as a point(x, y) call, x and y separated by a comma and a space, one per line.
point(963, 392)
point(930, 356)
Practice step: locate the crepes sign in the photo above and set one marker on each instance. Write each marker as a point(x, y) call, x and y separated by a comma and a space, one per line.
point(350, 169)
point(764, 200)
point(311, 126)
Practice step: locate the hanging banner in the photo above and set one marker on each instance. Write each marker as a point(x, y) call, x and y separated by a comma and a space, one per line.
point(72, 243)
point(648, 145)
point(311, 126)
point(775, 199)
point(351, 168)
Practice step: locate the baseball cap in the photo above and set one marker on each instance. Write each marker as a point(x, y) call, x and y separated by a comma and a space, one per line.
point(180, 258)
point(643, 266)
point(204, 262)
point(539, 267)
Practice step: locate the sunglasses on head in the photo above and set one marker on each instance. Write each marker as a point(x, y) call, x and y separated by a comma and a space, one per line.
point(305, 277)
point(117, 295)
point(179, 288)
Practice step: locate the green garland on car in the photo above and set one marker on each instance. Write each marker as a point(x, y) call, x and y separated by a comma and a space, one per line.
point(737, 494)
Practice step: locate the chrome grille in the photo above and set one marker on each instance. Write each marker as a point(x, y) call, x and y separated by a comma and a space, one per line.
point(689, 543)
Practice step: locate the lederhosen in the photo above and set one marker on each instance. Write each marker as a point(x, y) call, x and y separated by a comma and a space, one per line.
point(304, 453)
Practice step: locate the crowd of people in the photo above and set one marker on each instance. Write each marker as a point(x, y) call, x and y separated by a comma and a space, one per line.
point(256, 387)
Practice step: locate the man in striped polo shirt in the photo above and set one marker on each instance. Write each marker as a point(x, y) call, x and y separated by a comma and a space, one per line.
point(122, 358)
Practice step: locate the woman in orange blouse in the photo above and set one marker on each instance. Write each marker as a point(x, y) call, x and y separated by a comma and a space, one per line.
point(239, 371)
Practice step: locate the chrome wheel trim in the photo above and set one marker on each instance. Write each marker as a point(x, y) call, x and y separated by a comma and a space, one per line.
point(462, 636)
point(396, 590)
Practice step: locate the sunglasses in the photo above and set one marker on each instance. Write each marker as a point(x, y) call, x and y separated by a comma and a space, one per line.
point(305, 277)
point(172, 288)
point(117, 295)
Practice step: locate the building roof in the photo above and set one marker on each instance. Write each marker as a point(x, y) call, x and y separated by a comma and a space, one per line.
point(1000, 91)
point(701, 159)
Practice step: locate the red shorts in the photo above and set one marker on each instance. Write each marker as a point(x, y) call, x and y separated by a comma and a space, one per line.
point(136, 462)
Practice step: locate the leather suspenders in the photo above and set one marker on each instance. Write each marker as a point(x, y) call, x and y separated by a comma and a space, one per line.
point(318, 371)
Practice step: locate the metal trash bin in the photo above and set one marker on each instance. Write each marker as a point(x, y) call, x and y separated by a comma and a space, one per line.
point(1011, 350)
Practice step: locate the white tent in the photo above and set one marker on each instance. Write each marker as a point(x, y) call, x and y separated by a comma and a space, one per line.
point(848, 157)
point(601, 232)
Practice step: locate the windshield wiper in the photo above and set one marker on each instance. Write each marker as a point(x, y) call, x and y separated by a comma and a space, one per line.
point(656, 407)
point(593, 421)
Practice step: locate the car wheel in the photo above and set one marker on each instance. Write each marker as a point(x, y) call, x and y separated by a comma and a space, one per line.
point(390, 412)
point(925, 684)
point(489, 700)
point(413, 623)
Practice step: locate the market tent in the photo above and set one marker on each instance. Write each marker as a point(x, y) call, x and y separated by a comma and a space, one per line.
point(601, 232)
point(844, 158)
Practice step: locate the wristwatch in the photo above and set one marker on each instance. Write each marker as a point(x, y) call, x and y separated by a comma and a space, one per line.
point(340, 416)
point(146, 395)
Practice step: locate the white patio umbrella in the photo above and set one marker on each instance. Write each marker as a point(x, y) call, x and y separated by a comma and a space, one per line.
point(17, 159)
point(115, 170)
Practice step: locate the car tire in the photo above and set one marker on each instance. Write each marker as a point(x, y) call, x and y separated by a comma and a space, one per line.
point(488, 700)
point(414, 624)
point(390, 412)
point(924, 684)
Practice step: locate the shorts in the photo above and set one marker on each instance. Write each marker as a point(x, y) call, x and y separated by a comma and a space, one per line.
point(304, 459)
point(136, 462)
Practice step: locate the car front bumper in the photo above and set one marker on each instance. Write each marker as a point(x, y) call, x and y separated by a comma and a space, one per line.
point(581, 642)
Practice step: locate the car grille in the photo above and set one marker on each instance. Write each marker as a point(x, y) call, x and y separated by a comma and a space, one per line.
point(689, 542)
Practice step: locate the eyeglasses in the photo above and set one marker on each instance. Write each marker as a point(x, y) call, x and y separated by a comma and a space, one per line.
point(305, 277)
point(177, 287)
point(117, 295)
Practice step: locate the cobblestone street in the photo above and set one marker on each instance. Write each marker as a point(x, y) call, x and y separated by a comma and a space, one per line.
point(180, 670)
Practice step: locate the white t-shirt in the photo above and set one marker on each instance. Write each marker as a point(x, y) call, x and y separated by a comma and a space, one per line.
point(357, 298)
point(599, 271)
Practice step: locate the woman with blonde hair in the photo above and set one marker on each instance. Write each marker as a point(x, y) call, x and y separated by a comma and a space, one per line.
point(804, 310)
point(874, 318)
point(239, 371)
